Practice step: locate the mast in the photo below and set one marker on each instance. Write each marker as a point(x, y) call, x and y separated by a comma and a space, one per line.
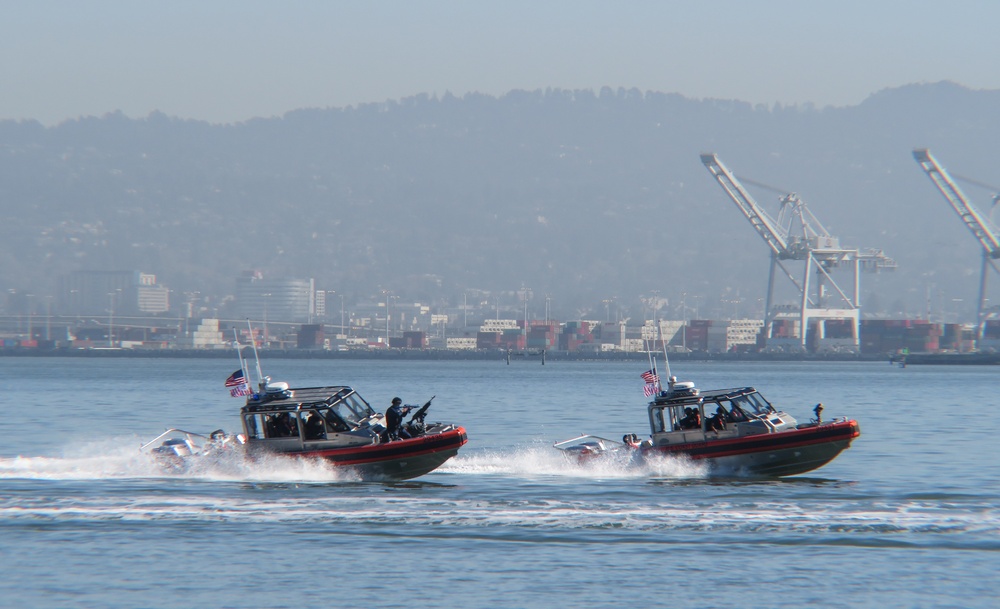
point(256, 357)
point(243, 362)
point(666, 360)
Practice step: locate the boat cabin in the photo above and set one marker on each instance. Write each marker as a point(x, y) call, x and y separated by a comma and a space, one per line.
point(684, 414)
point(312, 417)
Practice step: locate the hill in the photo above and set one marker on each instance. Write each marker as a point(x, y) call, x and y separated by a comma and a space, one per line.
point(579, 195)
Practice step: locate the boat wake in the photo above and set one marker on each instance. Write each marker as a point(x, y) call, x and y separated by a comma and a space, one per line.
point(545, 461)
point(256, 493)
point(120, 459)
point(612, 519)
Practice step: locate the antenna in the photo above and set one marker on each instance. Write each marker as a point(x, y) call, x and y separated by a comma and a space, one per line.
point(239, 353)
point(243, 365)
point(260, 375)
point(652, 363)
point(666, 360)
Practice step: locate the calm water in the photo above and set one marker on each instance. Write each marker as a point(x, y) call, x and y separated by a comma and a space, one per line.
point(908, 517)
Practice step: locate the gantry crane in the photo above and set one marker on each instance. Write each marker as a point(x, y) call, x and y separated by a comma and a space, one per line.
point(797, 236)
point(982, 229)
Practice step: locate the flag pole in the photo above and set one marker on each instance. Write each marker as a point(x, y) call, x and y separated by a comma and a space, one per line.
point(649, 345)
point(253, 341)
point(649, 354)
point(652, 364)
point(243, 362)
point(666, 360)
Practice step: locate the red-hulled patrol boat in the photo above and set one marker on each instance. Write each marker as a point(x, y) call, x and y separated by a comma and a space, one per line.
point(735, 431)
point(333, 423)
point(336, 424)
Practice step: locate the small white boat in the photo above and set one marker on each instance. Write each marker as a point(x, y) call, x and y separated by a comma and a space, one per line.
point(176, 449)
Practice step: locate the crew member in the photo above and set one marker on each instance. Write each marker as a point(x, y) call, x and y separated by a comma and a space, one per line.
point(717, 422)
point(394, 417)
point(692, 419)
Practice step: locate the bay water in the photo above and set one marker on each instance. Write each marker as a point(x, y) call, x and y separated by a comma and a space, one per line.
point(909, 516)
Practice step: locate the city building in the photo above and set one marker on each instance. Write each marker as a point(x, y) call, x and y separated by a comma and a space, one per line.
point(281, 299)
point(125, 293)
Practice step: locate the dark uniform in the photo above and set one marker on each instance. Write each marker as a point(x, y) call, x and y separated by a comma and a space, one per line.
point(394, 417)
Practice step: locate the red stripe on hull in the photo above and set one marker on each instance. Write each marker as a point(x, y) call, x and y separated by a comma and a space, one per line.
point(398, 449)
point(782, 453)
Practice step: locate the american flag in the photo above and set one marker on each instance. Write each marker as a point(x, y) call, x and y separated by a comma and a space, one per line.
point(237, 384)
point(240, 391)
point(649, 389)
point(651, 377)
point(236, 379)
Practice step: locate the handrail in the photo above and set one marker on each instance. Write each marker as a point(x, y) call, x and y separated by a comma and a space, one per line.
point(187, 434)
point(560, 445)
point(765, 419)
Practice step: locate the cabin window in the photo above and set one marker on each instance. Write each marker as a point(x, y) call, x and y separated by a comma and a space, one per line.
point(753, 403)
point(333, 422)
point(281, 425)
point(732, 412)
point(252, 429)
point(658, 421)
point(688, 417)
point(352, 410)
point(358, 406)
point(313, 425)
point(763, 406)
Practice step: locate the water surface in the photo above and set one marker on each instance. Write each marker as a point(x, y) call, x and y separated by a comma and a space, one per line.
point(908, 517)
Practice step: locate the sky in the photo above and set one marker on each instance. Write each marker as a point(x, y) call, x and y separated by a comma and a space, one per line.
point(227, 61)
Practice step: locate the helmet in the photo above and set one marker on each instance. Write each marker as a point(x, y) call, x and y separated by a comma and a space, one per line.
point(396, 401)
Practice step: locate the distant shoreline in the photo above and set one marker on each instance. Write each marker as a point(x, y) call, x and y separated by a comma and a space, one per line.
point(444, 355)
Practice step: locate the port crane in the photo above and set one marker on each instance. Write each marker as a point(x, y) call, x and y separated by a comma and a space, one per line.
point(982, 229)
point(798, 237)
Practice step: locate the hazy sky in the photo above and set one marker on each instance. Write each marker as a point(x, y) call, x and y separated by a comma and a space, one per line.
point(229, 60)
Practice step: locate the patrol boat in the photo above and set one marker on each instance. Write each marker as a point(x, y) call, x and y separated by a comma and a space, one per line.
point(336, 424)
point(735, 431)
point(332, 423)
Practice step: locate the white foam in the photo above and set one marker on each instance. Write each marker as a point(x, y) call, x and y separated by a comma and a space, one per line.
point(559, 514)
point(547, 461)
point(120, 458)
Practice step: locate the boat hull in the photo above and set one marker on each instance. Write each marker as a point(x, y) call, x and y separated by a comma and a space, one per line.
point(785, 453)
point(396, 460)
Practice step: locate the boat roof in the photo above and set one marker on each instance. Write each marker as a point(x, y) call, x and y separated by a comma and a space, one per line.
point(688, 397)
point(292, 399)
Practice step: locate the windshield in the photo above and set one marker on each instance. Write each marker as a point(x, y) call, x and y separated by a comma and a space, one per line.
point(753, 403)
point(352, 409)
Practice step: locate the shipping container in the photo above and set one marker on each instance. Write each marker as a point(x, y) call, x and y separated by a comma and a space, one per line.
point(991, 329)
point(415, 339)
point(310, 336)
